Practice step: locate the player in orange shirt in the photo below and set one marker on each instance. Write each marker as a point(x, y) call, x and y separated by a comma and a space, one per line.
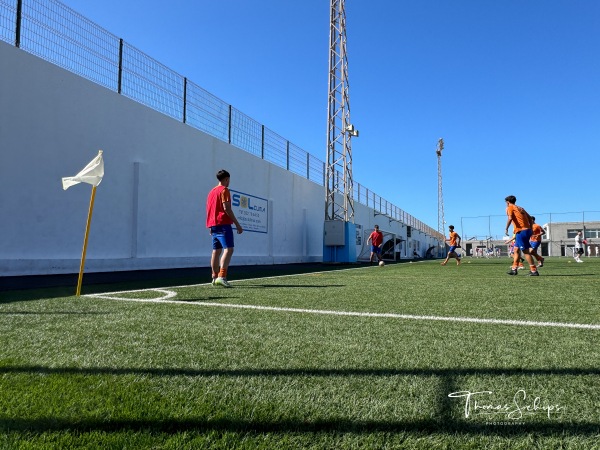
point(522, 224)
point(536, 241)
point(454, 242)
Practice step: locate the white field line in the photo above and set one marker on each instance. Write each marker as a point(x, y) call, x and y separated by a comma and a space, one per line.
point(167, 295)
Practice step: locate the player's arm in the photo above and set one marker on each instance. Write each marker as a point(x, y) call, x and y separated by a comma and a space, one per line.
point(229, 212)
point(508, 222)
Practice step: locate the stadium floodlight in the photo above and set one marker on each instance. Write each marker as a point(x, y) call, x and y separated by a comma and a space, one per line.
point(351, 130)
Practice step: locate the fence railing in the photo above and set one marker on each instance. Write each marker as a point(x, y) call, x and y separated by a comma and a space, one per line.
point(56, 33)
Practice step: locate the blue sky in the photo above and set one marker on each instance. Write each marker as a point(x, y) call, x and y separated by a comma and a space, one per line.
point(512, 86)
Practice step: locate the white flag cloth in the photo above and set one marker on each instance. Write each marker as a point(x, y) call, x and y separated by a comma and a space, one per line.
point(91, 174)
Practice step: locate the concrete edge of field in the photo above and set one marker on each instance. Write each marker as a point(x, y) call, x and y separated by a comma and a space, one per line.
point(169, 277)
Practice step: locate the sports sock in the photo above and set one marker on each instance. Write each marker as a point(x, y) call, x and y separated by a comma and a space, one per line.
point(223, 273)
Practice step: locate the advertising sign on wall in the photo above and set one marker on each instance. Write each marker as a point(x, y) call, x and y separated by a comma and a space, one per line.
point(252, 212)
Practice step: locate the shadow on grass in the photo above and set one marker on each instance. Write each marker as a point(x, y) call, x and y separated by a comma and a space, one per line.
point(57, 313)
point(576, 275)
point(443, 419)
point(300, 286)
point(337, 425)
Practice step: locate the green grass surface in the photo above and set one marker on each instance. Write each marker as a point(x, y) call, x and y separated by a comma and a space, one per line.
point(195, 372)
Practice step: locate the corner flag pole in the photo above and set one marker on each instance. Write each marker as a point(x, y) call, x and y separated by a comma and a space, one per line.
point(85, 240)
point(91, 174)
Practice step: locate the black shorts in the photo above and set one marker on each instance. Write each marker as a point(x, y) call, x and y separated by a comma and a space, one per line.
point(579, 251)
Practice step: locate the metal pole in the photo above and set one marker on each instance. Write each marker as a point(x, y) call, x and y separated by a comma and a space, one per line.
point(229, 127)
point(308, 166)
point(184, 99)
point(18, 24)
point(120, 80)
point(262, 142)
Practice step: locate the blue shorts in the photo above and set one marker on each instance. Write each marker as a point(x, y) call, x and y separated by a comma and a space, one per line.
point(222, 236)
point(522, 239)
point(375, 249)
point(535, 244)
point(452, 249)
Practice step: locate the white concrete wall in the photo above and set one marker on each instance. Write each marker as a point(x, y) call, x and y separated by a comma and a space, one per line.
point(149, 210)
point(52, 123)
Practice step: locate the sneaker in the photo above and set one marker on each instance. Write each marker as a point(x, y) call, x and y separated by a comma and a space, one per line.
point(521, 267)
point(214, 281)
point(579, 260)
point(512, 272)
point(541, 263)
point(534, 274)
point(222, 282)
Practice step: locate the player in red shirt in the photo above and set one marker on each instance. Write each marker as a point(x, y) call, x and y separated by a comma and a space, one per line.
point(376, 239)
point(219, 218)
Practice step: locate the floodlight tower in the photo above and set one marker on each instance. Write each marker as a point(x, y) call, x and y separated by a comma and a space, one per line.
point(441, 221)
point(339, 203)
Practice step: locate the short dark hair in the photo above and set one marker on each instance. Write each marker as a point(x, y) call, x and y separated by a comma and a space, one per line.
point(511, 199)
point(533, 218)
point(376, 226)
point(451, 227)
point(222, 174)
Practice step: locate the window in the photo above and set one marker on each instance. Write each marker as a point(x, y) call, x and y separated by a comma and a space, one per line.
point(592, 233)
point(572, 233)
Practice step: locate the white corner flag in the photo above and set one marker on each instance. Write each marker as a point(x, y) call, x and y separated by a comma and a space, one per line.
point(91, 174)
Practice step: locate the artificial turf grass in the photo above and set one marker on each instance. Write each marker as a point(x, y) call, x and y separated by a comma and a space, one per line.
point(90, 368)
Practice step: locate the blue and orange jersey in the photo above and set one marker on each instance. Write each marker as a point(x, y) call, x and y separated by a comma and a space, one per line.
point(519, 217)
point(215, 212)
point(537, 233)
point(453, 238)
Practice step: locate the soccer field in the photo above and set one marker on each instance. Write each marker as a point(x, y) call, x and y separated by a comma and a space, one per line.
point(402, 356)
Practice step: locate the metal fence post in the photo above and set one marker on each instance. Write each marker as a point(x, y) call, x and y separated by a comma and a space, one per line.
point(18, 23)
point(308, 166)
point(262, 142)
point(229, 126)
point(184, 99)
point(287, 152)
point(119, 82)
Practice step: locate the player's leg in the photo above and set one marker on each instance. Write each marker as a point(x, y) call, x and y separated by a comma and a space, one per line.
point(214, 263)
point(225, 260)
point(215, 256)
point(227, 243)
point(525, 246)
point(378, 253)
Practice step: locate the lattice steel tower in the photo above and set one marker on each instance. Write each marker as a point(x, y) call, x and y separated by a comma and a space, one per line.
point(339, 203)
point(441, 221)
